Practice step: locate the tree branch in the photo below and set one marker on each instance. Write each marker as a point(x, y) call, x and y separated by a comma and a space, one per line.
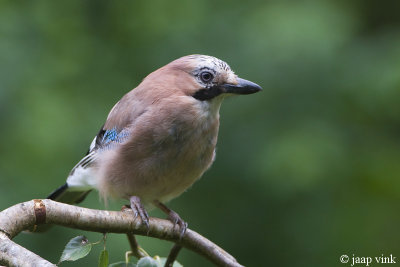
point(26, 215)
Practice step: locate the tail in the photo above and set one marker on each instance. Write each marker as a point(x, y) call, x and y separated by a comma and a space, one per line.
point(65, 194)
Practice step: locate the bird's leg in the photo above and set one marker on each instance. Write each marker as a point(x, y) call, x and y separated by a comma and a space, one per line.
point(173, 217)
point(138, 209)
point(136, 250)
point(176, 220)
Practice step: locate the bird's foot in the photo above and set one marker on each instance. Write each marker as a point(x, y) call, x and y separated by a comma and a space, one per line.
point(176, 220)
point(173, 217)
point(138, 209)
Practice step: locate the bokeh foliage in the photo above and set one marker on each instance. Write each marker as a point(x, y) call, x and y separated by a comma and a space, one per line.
point(306, 170)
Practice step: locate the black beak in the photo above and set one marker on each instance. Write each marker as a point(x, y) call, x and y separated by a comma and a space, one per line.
point(243, 87)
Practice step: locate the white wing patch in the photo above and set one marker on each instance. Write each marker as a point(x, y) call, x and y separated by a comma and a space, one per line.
point(93, 144)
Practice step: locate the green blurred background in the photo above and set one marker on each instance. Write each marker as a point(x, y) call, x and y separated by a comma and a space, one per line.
point(306, 170)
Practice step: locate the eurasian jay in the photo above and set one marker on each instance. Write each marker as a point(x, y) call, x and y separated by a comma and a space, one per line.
point(159, 138)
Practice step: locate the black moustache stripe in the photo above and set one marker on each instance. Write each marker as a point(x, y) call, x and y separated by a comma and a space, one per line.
point(207, 93)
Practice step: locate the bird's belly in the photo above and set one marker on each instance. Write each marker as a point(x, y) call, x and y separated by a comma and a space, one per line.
point(162, 171)
point(172, 170)
point(186, 169)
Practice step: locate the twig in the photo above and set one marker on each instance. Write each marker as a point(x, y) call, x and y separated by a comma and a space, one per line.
point(136, 250)
point(25, 215)
point(173, 254)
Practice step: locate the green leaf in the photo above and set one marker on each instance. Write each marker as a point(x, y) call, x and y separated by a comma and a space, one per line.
point(77, 248)
point(103, 259)
point(122, 264)
point(147, 262)
point(161, 262)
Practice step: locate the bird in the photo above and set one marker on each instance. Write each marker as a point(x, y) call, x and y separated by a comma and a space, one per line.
point(158, 139)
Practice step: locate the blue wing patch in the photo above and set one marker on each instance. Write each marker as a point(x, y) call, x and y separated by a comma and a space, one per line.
point(105, 140)
point(112, 137)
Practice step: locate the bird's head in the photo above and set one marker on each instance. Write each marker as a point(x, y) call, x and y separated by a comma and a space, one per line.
point(203, 78)
point(211, 77)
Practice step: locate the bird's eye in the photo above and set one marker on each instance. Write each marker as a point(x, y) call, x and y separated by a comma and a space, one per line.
point(206, 76)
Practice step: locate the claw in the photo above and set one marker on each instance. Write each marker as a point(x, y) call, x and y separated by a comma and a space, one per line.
point(174, 218)
point(183, 230)
point(138, 209)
